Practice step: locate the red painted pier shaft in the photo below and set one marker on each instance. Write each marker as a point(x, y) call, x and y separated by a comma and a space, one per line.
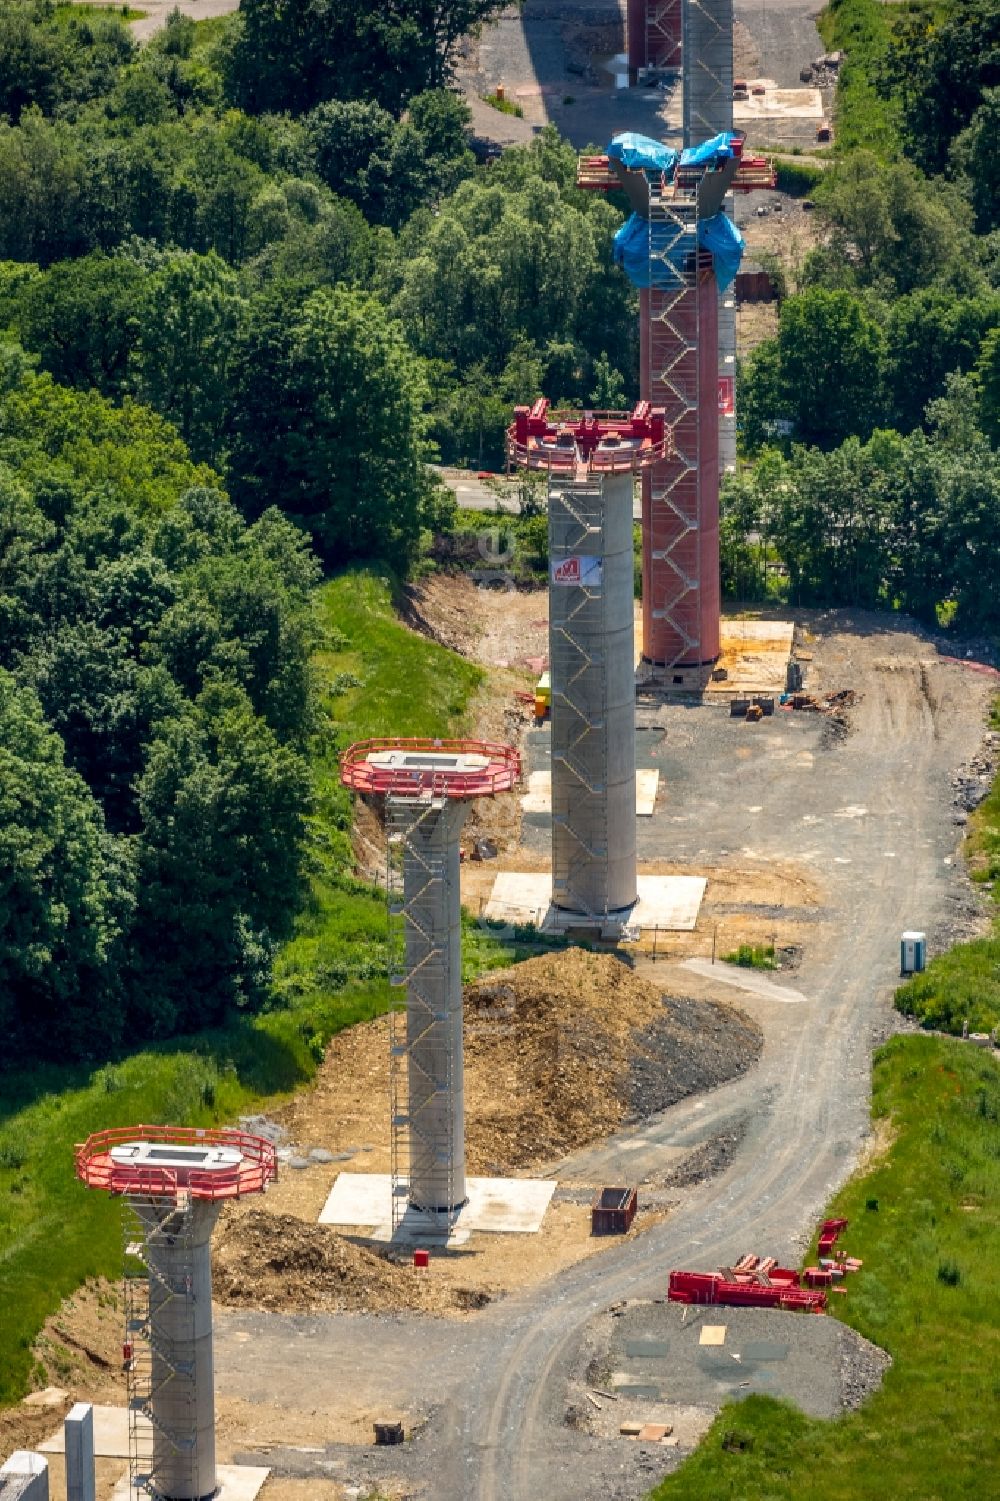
point(681, 594)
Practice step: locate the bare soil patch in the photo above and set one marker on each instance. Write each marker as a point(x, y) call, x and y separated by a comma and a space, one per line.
point(565, 1048)
point(276, 1261)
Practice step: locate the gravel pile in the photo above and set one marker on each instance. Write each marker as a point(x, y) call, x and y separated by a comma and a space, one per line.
point(564, 1049)
point(276, 1261)
point(862, 1368)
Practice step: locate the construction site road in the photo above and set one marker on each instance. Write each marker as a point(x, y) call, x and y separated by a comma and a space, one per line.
point(495, 1389)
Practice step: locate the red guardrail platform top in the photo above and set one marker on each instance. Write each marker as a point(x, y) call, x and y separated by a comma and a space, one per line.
point(430, 768)
point(255, 1167)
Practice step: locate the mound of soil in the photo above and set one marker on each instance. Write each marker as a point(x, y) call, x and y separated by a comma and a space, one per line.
point(277, 1261)
point(563, 1049)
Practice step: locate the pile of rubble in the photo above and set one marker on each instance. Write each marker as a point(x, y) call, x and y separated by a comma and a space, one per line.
point(277, 1261)
point(972, 782)
point(824, 71)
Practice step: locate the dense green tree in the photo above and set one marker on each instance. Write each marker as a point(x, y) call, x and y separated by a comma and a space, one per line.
point(893, 228)
point(831, 354)
point(187, 327)
point(81, 319)
point(56, 62)
point(940, 68)
point(390, 168)
point(930, 334)
point(528, 258)
point(295, 54)
point(327, 423)
point(988, 372)
point(65, 893)
point(974, 157)
point(223, 808)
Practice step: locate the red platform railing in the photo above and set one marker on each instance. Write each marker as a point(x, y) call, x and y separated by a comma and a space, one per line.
point(257, 1167)
point(501, 773)
point(606, 442)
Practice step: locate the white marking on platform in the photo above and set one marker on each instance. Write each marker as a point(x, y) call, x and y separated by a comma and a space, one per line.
point(744, 979)
point(236, 1483)
point(853, 810)
point(538, 798)
point(500, 1206)
point(671, 903)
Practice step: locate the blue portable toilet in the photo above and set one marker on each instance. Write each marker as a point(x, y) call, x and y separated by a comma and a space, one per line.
point(912, 953)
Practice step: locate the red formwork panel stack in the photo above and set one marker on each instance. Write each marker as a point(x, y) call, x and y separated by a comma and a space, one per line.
point(712, 1288)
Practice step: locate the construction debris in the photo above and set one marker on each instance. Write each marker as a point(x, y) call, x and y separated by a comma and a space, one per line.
point(563, 1049)
point(276, 1261)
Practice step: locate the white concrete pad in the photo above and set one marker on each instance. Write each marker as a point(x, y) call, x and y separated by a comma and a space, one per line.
point(110, 1434)
point(236, 1483)
point(789, 104)
point(538, 798)
point(713, 1334)
point(647, 782)
point(500, 1206)
point(749, 980)
point(670, 903)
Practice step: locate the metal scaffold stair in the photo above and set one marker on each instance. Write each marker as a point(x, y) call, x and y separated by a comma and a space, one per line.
point(674, 384)
point(416, 876)
point(153, 1369)
point(580, 749)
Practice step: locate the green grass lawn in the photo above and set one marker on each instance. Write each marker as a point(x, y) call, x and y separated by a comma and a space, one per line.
point(963, 984)
point(377, 678)
point(863, 29)
point(926, 1221)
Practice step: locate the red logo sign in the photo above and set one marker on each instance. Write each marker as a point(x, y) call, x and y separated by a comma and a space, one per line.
point(566, 572)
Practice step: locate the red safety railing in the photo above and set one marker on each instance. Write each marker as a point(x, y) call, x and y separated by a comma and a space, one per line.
point(606, 442)
point(501, 773)
point(257, 1167)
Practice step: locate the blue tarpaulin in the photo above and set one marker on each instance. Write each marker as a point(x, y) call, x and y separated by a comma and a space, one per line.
point(717, 149)
point(642, 153)
point(630, 249)
point(718, 235)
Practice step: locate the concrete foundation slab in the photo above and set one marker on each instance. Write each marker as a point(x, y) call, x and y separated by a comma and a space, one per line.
point(502, 1206)
point(751, 981)
point(670, 903)
point(538, 798)
point(775, 103)
point(110, 1434)
point(753, 654)
point(236, 1483)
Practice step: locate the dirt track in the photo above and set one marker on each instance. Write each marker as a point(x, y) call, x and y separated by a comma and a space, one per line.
point(490, 1404)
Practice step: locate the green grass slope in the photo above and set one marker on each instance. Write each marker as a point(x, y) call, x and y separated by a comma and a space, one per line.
point(926, 1221)
point(377, 678)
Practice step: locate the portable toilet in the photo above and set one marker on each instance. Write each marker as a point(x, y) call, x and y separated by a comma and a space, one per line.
point(912, 953)
point(543, 696)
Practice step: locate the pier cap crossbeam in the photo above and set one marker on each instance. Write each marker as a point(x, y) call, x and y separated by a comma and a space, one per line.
point(561, 442)
point(418, 768)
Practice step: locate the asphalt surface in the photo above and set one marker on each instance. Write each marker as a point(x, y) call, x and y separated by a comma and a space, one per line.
point(873, 816)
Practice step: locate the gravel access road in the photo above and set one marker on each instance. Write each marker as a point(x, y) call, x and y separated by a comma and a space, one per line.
point(871, 812)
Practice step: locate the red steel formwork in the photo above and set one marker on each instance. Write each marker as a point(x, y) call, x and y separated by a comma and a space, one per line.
point(653, 34)
point(256, 1168)
point(407, 778)
point(681, 593)
point(600, 442)
point(712, 1289)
